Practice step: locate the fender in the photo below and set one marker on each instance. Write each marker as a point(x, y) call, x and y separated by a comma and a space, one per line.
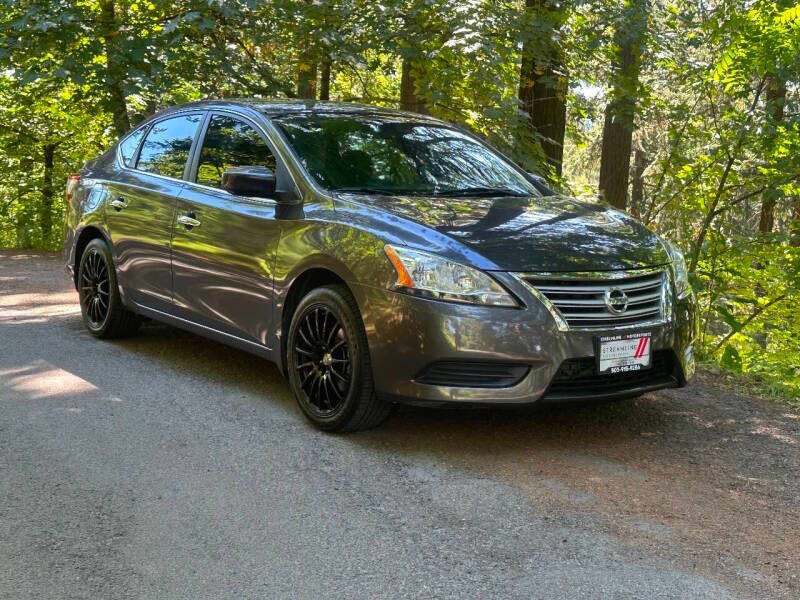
point(89, 216)
point(340, 248)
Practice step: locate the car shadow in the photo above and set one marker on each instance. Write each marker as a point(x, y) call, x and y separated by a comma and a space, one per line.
point(194, 354)
point(578, 426)
point(667, 413)
point(412, 428)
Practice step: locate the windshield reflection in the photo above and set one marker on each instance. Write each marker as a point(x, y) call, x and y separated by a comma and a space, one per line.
point(393, 155)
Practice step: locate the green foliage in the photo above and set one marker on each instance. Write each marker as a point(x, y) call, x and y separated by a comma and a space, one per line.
point(730, 148)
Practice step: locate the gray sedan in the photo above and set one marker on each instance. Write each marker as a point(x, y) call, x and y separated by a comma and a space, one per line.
point(377, 257)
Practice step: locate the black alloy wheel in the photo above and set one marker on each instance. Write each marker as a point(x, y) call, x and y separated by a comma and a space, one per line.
point(322, 359)
point(95, 288)
point(101, 305)
point(328, 363)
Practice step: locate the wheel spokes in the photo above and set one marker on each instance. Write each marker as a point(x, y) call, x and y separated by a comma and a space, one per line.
point(95, 287)
point(341, 378)
point(305, 339)
point(338, 345)
point(322, 359)
point(327, 395)
point(335, 389)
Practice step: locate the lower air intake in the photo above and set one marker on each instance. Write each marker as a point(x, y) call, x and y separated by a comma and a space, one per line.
point(477, 374)
point(576, 379)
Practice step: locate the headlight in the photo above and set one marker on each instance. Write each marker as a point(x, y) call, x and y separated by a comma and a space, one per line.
point(679, 271)
point(429, 275)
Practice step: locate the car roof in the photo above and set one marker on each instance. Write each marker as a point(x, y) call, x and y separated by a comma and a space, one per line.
point(287, 107)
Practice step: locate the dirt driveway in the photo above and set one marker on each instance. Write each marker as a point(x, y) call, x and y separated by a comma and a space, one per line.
point(168, 466)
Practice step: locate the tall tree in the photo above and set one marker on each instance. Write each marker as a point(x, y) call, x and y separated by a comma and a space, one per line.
point(307, 63)
point(640, 163)
point(307, 77)
point(775, 102)
point(46, 213)
point(325, 80)
point(629, 40)
point(543, 80)
point(115, 68)
point(410, 98)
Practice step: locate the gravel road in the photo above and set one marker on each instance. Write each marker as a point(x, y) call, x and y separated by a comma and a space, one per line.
point(169, 466)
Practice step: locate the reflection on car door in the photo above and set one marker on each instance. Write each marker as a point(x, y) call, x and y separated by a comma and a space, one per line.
point(223, 245)
point(141, 206)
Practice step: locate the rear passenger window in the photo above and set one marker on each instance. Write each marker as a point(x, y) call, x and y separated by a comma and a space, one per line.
point(166, 147)
point(230, 143)
point(128, 146)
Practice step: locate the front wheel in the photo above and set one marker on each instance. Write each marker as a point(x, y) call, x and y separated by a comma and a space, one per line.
point(101, 305)
point(328, 362)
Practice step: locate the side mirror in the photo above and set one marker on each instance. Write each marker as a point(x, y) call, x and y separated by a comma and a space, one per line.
point(257, 182)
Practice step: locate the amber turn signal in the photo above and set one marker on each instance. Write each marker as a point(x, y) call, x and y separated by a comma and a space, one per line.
point(403, 278)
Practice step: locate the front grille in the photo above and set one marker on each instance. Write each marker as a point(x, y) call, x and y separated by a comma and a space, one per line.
point(581, 300)
point(577, 378)
point(481, 374)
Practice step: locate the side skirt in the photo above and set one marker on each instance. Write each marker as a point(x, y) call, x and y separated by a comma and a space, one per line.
point(207, 332)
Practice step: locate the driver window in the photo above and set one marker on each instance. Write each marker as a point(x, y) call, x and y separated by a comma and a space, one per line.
point(229, 143)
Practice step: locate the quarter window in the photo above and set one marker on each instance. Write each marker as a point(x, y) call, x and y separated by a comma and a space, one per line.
point(128, 146)
point(230, 143)
point(166, 147)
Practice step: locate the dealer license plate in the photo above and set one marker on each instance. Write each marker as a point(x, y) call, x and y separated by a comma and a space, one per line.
point(623, 353)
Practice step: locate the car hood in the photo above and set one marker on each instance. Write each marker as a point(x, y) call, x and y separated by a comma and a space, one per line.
point(551, 233)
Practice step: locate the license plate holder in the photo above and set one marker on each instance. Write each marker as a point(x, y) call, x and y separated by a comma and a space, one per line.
point(623, 353)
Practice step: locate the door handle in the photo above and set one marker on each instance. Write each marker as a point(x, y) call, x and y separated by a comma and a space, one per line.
point(118, 204)
point(188, 221)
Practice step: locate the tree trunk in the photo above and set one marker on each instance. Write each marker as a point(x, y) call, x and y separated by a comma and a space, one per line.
point(307, 77)
point(620, 111)
point(22, 222)
point(775, 102)
point(115, 72)
point(46, 214)
point(325, 81)
point(640, 163)
point(766, 220)
point(543, 85)
point(409, 98)
point(616, 154)
point(151, 103)
point(795, 223)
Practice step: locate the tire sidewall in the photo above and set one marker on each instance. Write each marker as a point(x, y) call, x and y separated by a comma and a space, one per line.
point(361, 378)
point(113, 291)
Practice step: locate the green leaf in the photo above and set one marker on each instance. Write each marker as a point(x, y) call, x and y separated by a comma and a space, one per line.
point(731, 359)
point(789, 15)
point(728, 318)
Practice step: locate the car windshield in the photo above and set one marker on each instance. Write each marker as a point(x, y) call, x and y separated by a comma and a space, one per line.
point(394, 155)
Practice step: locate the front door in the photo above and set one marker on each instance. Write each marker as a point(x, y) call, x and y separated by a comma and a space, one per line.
point(223, 246)
point(141, 206)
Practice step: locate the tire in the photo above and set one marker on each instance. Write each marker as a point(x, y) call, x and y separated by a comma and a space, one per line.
point(328, 362)
point(101, 305)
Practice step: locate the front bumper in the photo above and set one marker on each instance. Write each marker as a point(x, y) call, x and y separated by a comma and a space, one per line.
point(407, 334)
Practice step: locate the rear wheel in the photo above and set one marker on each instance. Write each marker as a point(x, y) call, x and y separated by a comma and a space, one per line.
point(101, 305)
point(328, 362)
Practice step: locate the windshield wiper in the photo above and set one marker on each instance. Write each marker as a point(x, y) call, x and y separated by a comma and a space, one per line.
point(479, 191)
point(474, 192)
point(365, 190)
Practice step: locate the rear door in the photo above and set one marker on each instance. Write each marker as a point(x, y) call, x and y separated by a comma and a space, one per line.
point(222, 260)
point(141, 206)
